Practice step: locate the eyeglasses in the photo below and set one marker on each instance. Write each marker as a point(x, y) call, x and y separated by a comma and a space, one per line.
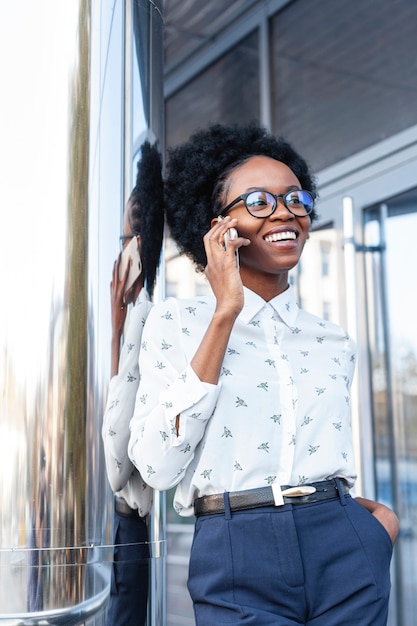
point(263, 203)
point(124, 238)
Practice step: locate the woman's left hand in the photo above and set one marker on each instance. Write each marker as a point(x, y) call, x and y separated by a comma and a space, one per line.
point(384, 515)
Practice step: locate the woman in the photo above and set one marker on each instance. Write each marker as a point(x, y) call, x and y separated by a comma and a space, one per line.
point(244, 402)
point(143, 222)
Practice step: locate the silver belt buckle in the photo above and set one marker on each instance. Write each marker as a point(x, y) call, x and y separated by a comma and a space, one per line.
point(291, 492)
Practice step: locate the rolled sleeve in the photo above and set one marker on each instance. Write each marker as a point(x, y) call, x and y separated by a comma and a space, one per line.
point(191, 399)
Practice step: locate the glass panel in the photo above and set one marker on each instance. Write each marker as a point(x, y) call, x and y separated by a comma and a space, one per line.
point(190, 24)
point(147, 71)
point(340, 70)
point(227, 92)
point(318, 275)
point(392, 331)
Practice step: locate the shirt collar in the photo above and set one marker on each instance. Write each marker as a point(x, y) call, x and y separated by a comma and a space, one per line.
point(284, 304)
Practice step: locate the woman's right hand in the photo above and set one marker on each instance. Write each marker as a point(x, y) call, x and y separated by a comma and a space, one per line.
point(222, 270)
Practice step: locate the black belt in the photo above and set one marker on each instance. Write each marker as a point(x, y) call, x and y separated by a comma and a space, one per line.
point(269, 496)
point(122, 507)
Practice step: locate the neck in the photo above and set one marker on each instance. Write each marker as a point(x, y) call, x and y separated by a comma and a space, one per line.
point(266, 286)
point(138, 288)
point(132, 295)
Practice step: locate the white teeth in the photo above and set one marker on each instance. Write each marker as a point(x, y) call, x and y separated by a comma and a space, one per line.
point(281, 236)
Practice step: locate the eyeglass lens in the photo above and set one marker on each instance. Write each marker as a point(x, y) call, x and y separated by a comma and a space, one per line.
point(263, 203)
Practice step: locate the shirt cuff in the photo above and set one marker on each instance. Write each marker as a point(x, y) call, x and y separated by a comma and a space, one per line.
point(190, 397)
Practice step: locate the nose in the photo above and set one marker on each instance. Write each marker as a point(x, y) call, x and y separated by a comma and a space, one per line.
point(281, 212)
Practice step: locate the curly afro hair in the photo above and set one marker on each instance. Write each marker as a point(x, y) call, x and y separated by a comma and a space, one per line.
point(147, 211)
point(196, 175)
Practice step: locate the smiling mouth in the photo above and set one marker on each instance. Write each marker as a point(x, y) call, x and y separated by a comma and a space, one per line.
point(284, 236)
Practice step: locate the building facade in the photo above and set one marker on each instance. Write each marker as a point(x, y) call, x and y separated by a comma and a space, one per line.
point(339, 81)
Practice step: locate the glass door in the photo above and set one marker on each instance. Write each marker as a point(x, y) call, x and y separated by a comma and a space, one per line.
point(390, 261)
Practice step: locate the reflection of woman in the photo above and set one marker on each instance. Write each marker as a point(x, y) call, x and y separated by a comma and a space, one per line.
point(244, 402)
point(143, 219)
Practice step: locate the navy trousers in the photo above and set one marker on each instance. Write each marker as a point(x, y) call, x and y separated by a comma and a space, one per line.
point(130, 575)
point(321, 564)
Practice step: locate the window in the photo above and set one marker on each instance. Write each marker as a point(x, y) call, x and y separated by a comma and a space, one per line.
point(340, 70)
point(226, 92)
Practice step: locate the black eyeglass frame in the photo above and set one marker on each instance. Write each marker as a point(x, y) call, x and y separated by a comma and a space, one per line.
point(244, 197)
point(123, 238)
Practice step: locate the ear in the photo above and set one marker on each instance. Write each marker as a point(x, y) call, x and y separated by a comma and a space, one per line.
point(215, 221)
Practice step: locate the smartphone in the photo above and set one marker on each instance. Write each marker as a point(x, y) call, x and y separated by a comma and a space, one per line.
point(130, 258)
point(231, 233)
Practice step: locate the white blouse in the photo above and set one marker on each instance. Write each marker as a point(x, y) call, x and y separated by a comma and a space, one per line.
point(123, 477)
point(280, 412)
